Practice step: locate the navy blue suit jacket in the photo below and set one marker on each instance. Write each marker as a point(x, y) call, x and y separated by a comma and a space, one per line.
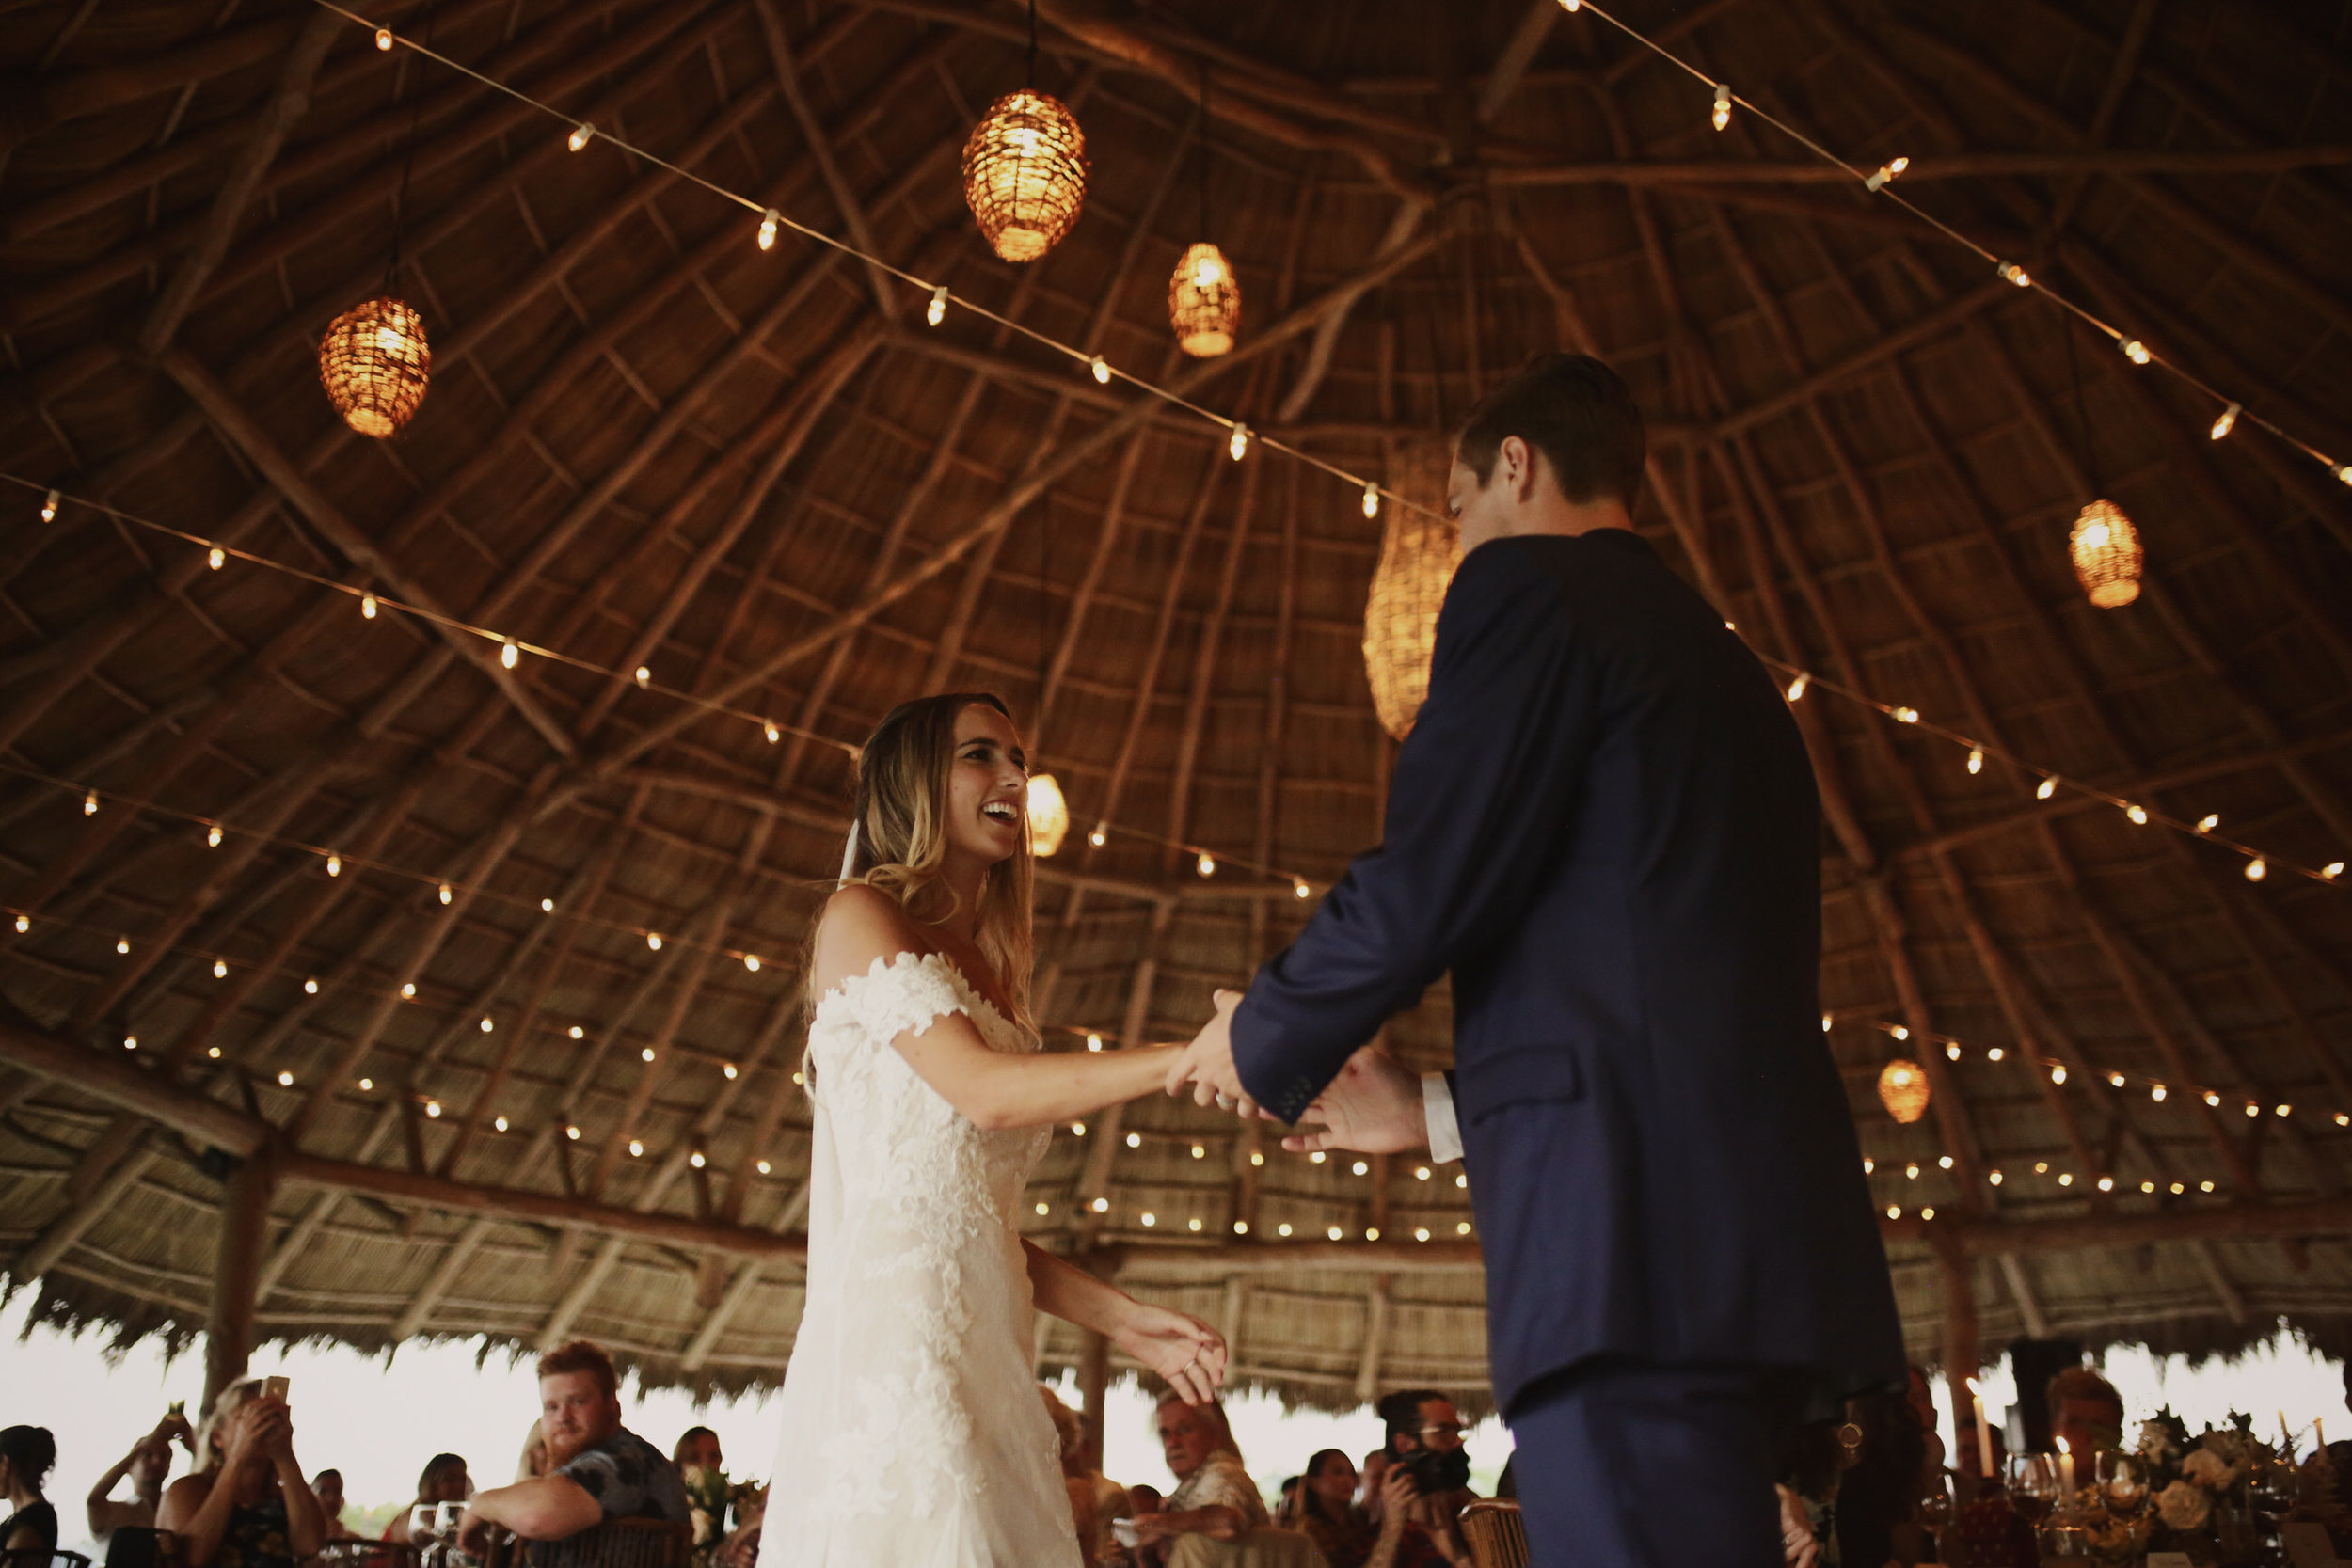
point(1604, 824)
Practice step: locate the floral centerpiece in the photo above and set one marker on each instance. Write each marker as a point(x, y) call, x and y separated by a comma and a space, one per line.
point(2200, 1495)
point(711, 1498)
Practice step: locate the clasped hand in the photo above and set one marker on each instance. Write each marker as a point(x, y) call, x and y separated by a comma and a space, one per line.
point(1373, 1107)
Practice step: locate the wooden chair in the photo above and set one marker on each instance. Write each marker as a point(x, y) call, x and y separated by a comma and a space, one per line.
point(1496, 1535)
point(619, 1543)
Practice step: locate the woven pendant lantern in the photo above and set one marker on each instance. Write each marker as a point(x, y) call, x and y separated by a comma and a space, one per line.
point(1204, 302)
point(1419, 552)
point(1048, 815)
point(1025, 174)
point(2105, 548)
point(1904, 1090)
point(375, 363)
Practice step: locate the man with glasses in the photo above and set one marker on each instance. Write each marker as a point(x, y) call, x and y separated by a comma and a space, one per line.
point(1425, 1442)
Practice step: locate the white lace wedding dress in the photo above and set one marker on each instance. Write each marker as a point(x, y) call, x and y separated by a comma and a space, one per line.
point(913, 1435)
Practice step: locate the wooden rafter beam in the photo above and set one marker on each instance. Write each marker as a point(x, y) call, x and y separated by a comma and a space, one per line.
point(1923, 168)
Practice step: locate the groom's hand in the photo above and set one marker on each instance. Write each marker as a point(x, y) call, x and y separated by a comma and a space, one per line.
point(1373, 1107)
point(1207, 1062)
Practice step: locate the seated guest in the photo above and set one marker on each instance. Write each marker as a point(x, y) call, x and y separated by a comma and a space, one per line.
point(25, 1455)
point(1368, 1482)
point(598, 1471)
point(1095, 1499)
point(1286, 1511)
point(533, 1462)
point(1348, 1539)
point(247, 1505)
point(148, 1463)
point(698, 1446)
point(1425, 1442)
point(2086, 1412)
point(1214, 1496)
point(327, 1487)
point(443, 1480)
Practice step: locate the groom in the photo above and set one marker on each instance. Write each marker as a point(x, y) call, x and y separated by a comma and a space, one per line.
point(1604, 826)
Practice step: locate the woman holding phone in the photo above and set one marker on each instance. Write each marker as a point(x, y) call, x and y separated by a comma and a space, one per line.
point(247, 1505)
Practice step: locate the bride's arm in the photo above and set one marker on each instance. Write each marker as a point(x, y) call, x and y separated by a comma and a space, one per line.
point(995, 1089)
point(1186, 1351)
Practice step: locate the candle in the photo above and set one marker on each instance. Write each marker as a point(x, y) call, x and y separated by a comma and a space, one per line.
point(2319, 1432)
point(1984, 1433)
point(2066, 1473)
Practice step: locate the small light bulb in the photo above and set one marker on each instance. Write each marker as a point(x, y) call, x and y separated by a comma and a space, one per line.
point(2332, 870)
point(937, 311)
point(49, 507)
point(509, 655)
point(1461, 1227)
point(764, 1167)
point(767, 224)
point(577, 1032)
point(1887, 173)
point(130, 1043)
point(1101, 1206)
point(384, 39)
point(2344, 472)
point(446, 893)
point(1044, 1208)
point(89, 804)
point(2227, 422)
point(1193, 1224)
point(285, 1080)
point(215, 558)
point(2115, 1079)
point(1200, 1152)
point(1239, 444)
point(334, 865)
point(579, 139)
point(212, 836)
point(730, 1070)
point(1241, 1228)
point(122, 946)
point(1206, 865)
point(2015, 274)
point(23, 924)
point(1906, 716)
point(1360, 1167)
point(2283, 1110)
point(1722, 104)
point(2256, 870)
point(409, 991)
point(546, 906)
point(572, 1132)
point(1099, 837)
point(1868, 1164)
point(1994, 1056)
point(2156, 1092)
point(1094, 1042)
point(2047, 788)
point(2136, 351)
point(1372, 500)
point(2209, 822)
point(1282, 1229)
point(1900, 1032)
point(774, 734)
point(1571, 7)
point(636, 1148)
point(1796, 687)
point(1150, 1218)
point(697, 1160)
point(367, 1086)
point(653, 939)
point(644, 676)
point(1420, 1173)
point(220, 969)
point(367, 605)
point(1333, 1232)
point(2058, 1075)
point(1976, 760)
point(1299, 890)
point(1135, 1140)
point(1927, 1213)
point(1077, 1129)
point(646, 1053)
point(1952, 1051)
point(1102, 370)
point(2066, 1179)
point(1994, 1177)
point(310, 988)
point(2212, 1098)
point(1256, 1157)
point(497, 1124)
point(1911, 1171)
point(489, 1025)
point(1826, 1020)
point(432, 1108)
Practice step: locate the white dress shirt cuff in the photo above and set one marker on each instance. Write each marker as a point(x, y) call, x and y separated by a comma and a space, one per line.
point(1436, 1103)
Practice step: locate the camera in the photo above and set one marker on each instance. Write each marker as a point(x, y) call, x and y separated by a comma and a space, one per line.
point(1433, 1470)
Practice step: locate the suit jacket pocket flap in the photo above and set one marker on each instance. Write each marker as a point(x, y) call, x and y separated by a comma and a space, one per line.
point(1520, 1074)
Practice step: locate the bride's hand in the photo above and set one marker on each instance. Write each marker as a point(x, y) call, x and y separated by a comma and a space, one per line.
point(1186, 1351)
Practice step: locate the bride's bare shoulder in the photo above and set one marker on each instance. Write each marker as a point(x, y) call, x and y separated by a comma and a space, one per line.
point(860, 924)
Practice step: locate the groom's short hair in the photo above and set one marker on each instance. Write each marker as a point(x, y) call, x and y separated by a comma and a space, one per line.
point(1577, 412)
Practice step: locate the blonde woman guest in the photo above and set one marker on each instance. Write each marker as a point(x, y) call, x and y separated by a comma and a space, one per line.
point(534, 1463)
point(1095, 1499)
point(247, 1505)
point(911, 1428)
point(443, 1480)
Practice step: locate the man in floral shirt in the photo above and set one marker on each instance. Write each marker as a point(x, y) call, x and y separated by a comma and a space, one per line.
point(1215, 1496)
point(598, 1470)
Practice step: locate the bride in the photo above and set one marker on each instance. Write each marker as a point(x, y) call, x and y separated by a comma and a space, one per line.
point(913, 1435)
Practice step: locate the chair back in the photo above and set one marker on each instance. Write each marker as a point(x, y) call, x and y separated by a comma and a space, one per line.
point(140, 1546)
point(1496, 1535)
point(1263, 1547)
point(617, 1543)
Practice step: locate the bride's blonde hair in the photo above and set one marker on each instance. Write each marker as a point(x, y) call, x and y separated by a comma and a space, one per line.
point(902, 818)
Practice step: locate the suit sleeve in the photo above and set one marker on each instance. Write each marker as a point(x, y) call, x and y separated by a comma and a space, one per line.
point(1482, 793)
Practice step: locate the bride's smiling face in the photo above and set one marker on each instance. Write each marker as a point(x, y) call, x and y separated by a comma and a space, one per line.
point(988, 787)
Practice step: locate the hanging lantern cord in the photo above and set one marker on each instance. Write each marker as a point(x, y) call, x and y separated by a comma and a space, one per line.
point(400, 198)
point(1201, 154)
point(1028, 70)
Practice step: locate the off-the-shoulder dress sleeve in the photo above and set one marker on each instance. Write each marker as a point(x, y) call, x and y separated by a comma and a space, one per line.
point(903, 995)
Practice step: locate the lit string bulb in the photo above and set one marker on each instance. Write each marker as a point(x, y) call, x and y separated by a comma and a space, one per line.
point(89, 804)
point(580, 136)
point(2256, 870)
point(376, 364)
point(215, 558)
point(1239, 443)
point(2227, 422)
point(367, 607)
point(49, 506)
point(2136, 351)
point(2047, 788)
point(1100, 836)
point(1206, 865)
point(1371, 501)
point(509, 654)
point(384, 39)
point(1048, 815)
point(769, 222)
point(1722, 104)
point(2011, 273)
point(1887, 174)
point(1796, 687)
point(1025, 174)
point(1100, 369)
point(936, 311)
point(1204, 302)
point(1975, 759)
point(2106, 555)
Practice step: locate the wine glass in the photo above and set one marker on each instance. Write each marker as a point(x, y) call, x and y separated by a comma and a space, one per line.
point(2033, 1485)
point(1940, 1506)
point(446, 1518)
point(2123, 1483)
point(423, 1530)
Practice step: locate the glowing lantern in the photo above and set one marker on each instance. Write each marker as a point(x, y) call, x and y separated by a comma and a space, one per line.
point(1419, 552)
point(1049, 815)
point(1025, 174)
point(1204, 302)
point(1904, 1090)
point(375, 363)
point(2106, 553)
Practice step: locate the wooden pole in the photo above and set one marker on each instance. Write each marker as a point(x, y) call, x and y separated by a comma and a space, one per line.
point(1094, 1376)
point(237, 1270)
point(1962, 1353)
